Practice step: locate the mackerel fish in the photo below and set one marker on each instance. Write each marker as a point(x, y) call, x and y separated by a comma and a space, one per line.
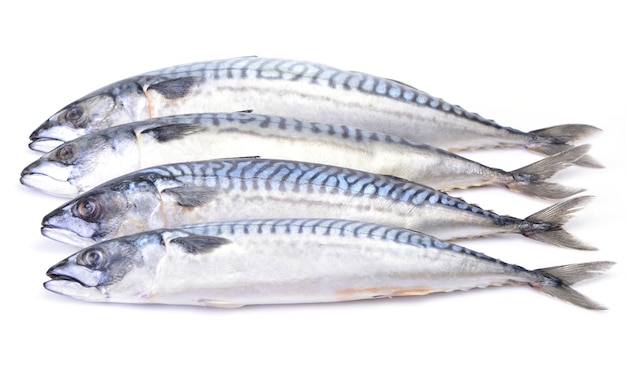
point(237, 263)
point(249, 188)
point(87, 161)
point(300, 90)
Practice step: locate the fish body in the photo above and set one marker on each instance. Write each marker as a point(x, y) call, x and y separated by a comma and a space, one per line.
point(300, 90)
point(85, 162)
point(236, 263)
point(171, 195)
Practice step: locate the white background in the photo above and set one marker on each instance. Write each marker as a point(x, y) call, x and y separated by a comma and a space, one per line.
point(530, 65)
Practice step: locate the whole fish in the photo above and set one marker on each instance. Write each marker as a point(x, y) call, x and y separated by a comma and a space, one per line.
point(85, 162)
point(248, 188)
point(236, 263)
point(299, 90)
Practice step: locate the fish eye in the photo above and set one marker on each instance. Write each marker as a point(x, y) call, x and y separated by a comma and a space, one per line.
point(91, 258)
point(65, 153)
point(74, 115)
point(89, 209)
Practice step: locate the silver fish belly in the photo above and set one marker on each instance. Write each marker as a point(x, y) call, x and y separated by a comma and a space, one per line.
point(299, 90)
point(70, 168)
point(249, 188)
point(236, 263)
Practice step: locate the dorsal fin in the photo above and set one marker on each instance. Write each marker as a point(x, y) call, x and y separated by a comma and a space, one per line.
point(404, 84)
point(390, 80)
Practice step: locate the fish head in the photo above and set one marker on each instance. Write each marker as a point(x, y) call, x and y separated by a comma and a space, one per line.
point(82, 163)
point(111, 210)
point(116, 104)
point(119, 270)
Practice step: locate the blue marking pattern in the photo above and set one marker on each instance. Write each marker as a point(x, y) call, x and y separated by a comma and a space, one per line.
point(292, 176)
point(310, 72)
point(335, 227)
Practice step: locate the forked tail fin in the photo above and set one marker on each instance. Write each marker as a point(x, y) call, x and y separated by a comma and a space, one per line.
point(547, 224)
point(529, 180)
point(560, 278)
point(552, 140)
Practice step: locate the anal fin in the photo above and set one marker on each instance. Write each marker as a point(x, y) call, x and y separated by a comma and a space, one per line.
point(218, 303)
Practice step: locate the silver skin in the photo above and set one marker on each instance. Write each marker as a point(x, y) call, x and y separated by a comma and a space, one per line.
point(299, 90)
point(88, 161)
point(251, 188)
point(236, 263)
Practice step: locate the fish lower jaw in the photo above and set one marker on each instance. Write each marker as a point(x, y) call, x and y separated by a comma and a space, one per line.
point(67, 286)
point(44, 144)
point(66, 236)
point(48, 185)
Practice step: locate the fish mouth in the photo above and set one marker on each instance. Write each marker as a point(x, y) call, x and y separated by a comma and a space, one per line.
point(51, 134)
point(65, 284)
point(61, 272)
point(73, 288)
point(49, 177)
point(47, 184)
point(44, 144)
point(64, 277)
point(68, 270)
point(66, 236)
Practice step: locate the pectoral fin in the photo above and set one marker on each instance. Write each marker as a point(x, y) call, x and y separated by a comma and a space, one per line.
point(199, 244)
point(174, 88)
point(173, 131)
point(191, 196)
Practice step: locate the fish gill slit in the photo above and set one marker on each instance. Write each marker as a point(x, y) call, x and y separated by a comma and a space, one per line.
point(150, 103)
point(163, 214)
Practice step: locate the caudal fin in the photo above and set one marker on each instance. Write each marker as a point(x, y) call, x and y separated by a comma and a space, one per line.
point(547, 224)
point(529, 180)
point(560, 278)
point(552, 140)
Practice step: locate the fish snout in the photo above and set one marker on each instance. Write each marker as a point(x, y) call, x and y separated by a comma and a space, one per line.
point(69, 270)
point(61, 225)
point(70, 279)
point(52, 271)
point(53, 133)
point(42, 139)
point(40, 131)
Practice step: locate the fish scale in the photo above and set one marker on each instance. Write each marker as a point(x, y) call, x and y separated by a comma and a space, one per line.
point(185, 193)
